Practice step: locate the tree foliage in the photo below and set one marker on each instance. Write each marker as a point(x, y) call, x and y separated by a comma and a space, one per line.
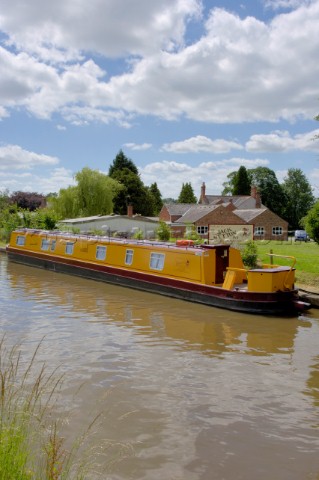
point(93, 195)
point(187, 194)
point(133, 192)
point(299, 197)
point(28, 200)
point(122, 162)
point(270, 190)
point(163, 232)
point(158, 202)
point(241, 182)
point(311, 222)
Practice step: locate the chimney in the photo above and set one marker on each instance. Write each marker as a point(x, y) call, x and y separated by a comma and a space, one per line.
point(254, 193)
point(203, 193)
point(129, 210)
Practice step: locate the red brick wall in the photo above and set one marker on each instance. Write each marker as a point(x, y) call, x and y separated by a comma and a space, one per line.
point(268, 220)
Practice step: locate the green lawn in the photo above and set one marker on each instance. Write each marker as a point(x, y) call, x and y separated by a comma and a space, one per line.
point(306, 254)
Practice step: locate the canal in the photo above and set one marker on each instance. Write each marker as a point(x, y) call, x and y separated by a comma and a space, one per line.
point(183, 391)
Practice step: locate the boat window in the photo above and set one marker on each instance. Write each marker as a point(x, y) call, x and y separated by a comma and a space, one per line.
point(69, 248)
point(20, 240)
point(53, 243)
point(157, 261)
point(45, 244)
point(129, 257)
point(100, 252)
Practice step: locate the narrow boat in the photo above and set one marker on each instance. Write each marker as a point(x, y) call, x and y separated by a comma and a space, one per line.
point(209, 274)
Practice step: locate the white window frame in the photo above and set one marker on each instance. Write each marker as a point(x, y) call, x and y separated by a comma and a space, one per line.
point(45, 244)
point(20, 240)
point(100, 253)
point(129, 256)
point(69, 247)
point(277, 231)
point(202, 229)
point(259, 231)
point(157, 261)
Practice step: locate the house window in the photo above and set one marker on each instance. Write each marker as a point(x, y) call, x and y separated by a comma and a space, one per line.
point(100, 252)
point(53, 243)
point(277, 230)
point(129, 257)
point(157, 261)
point(45, 244)
point(259, 231)
point(20, 240)
point(69, 248)
point(202, 229)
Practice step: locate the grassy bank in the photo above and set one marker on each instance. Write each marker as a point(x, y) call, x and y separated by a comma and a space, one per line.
point(30, 444)
point(306, 254)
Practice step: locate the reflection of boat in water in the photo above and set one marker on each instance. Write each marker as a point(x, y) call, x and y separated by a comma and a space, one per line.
point(212, 275)
point(187, 326)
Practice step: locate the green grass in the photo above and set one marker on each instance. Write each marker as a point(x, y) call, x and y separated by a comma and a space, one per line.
point(30, 444)
point(306, 254)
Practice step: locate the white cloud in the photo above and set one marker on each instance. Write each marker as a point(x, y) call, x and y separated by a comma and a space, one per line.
point(282, 141)
point(240, 70)
point(135, 146)
point(13, 157)
point(45, 183)
point(113, 28)
point(170, 175)
point(201, 143)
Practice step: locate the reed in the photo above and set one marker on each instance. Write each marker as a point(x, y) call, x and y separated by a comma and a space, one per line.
point(30, 444)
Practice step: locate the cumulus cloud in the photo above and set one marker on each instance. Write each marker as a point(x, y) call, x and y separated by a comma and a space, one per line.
point(201, 143)
point(282, 141)
point(170, 175)
point(14, 157)
point(240, 70)
point(48, 182)
point(135, 146)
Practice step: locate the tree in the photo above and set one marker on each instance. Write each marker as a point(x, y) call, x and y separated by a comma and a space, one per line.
point(120, 163)
point(187, 194)
point(28, 200)
point(229, 184)
point(163, 232)
point(93, 195)
point(311, 222)
point(133, 192)
point(299, 197)
point(270, 190)
point(241, 182)
point(158, 202)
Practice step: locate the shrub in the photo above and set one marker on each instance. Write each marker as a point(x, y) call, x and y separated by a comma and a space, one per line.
point(249, 254)
point(163, 232)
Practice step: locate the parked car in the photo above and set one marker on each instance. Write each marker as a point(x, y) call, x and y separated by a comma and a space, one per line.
point(302, 236)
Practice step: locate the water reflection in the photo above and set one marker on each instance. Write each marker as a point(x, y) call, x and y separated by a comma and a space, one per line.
point(192, 392)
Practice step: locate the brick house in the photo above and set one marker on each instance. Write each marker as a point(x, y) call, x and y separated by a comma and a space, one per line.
point(240, 211)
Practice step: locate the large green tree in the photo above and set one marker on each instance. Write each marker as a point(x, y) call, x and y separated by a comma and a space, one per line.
point(187, 194)
point(122, 162)
point(241, 182)
point(299, 197)
point(158, 202)
point(270, 190)
point(93, 195)
point(133, 192)
point(311, 222)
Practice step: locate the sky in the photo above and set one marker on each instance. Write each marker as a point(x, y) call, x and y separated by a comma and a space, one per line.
point(189, 90)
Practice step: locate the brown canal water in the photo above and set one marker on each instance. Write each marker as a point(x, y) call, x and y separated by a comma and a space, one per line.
point(185, 392)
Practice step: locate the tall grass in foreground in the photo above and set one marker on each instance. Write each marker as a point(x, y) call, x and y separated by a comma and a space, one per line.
point(30, 445)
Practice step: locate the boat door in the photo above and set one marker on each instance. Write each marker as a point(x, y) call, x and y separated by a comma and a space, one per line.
point(222, 262)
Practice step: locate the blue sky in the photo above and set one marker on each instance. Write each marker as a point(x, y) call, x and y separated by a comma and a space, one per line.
point(190, 90)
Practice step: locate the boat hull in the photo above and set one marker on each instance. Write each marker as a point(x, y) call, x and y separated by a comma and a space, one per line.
point(273, 303)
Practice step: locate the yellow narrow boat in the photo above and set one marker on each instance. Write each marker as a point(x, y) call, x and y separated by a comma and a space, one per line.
point(209, 274)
